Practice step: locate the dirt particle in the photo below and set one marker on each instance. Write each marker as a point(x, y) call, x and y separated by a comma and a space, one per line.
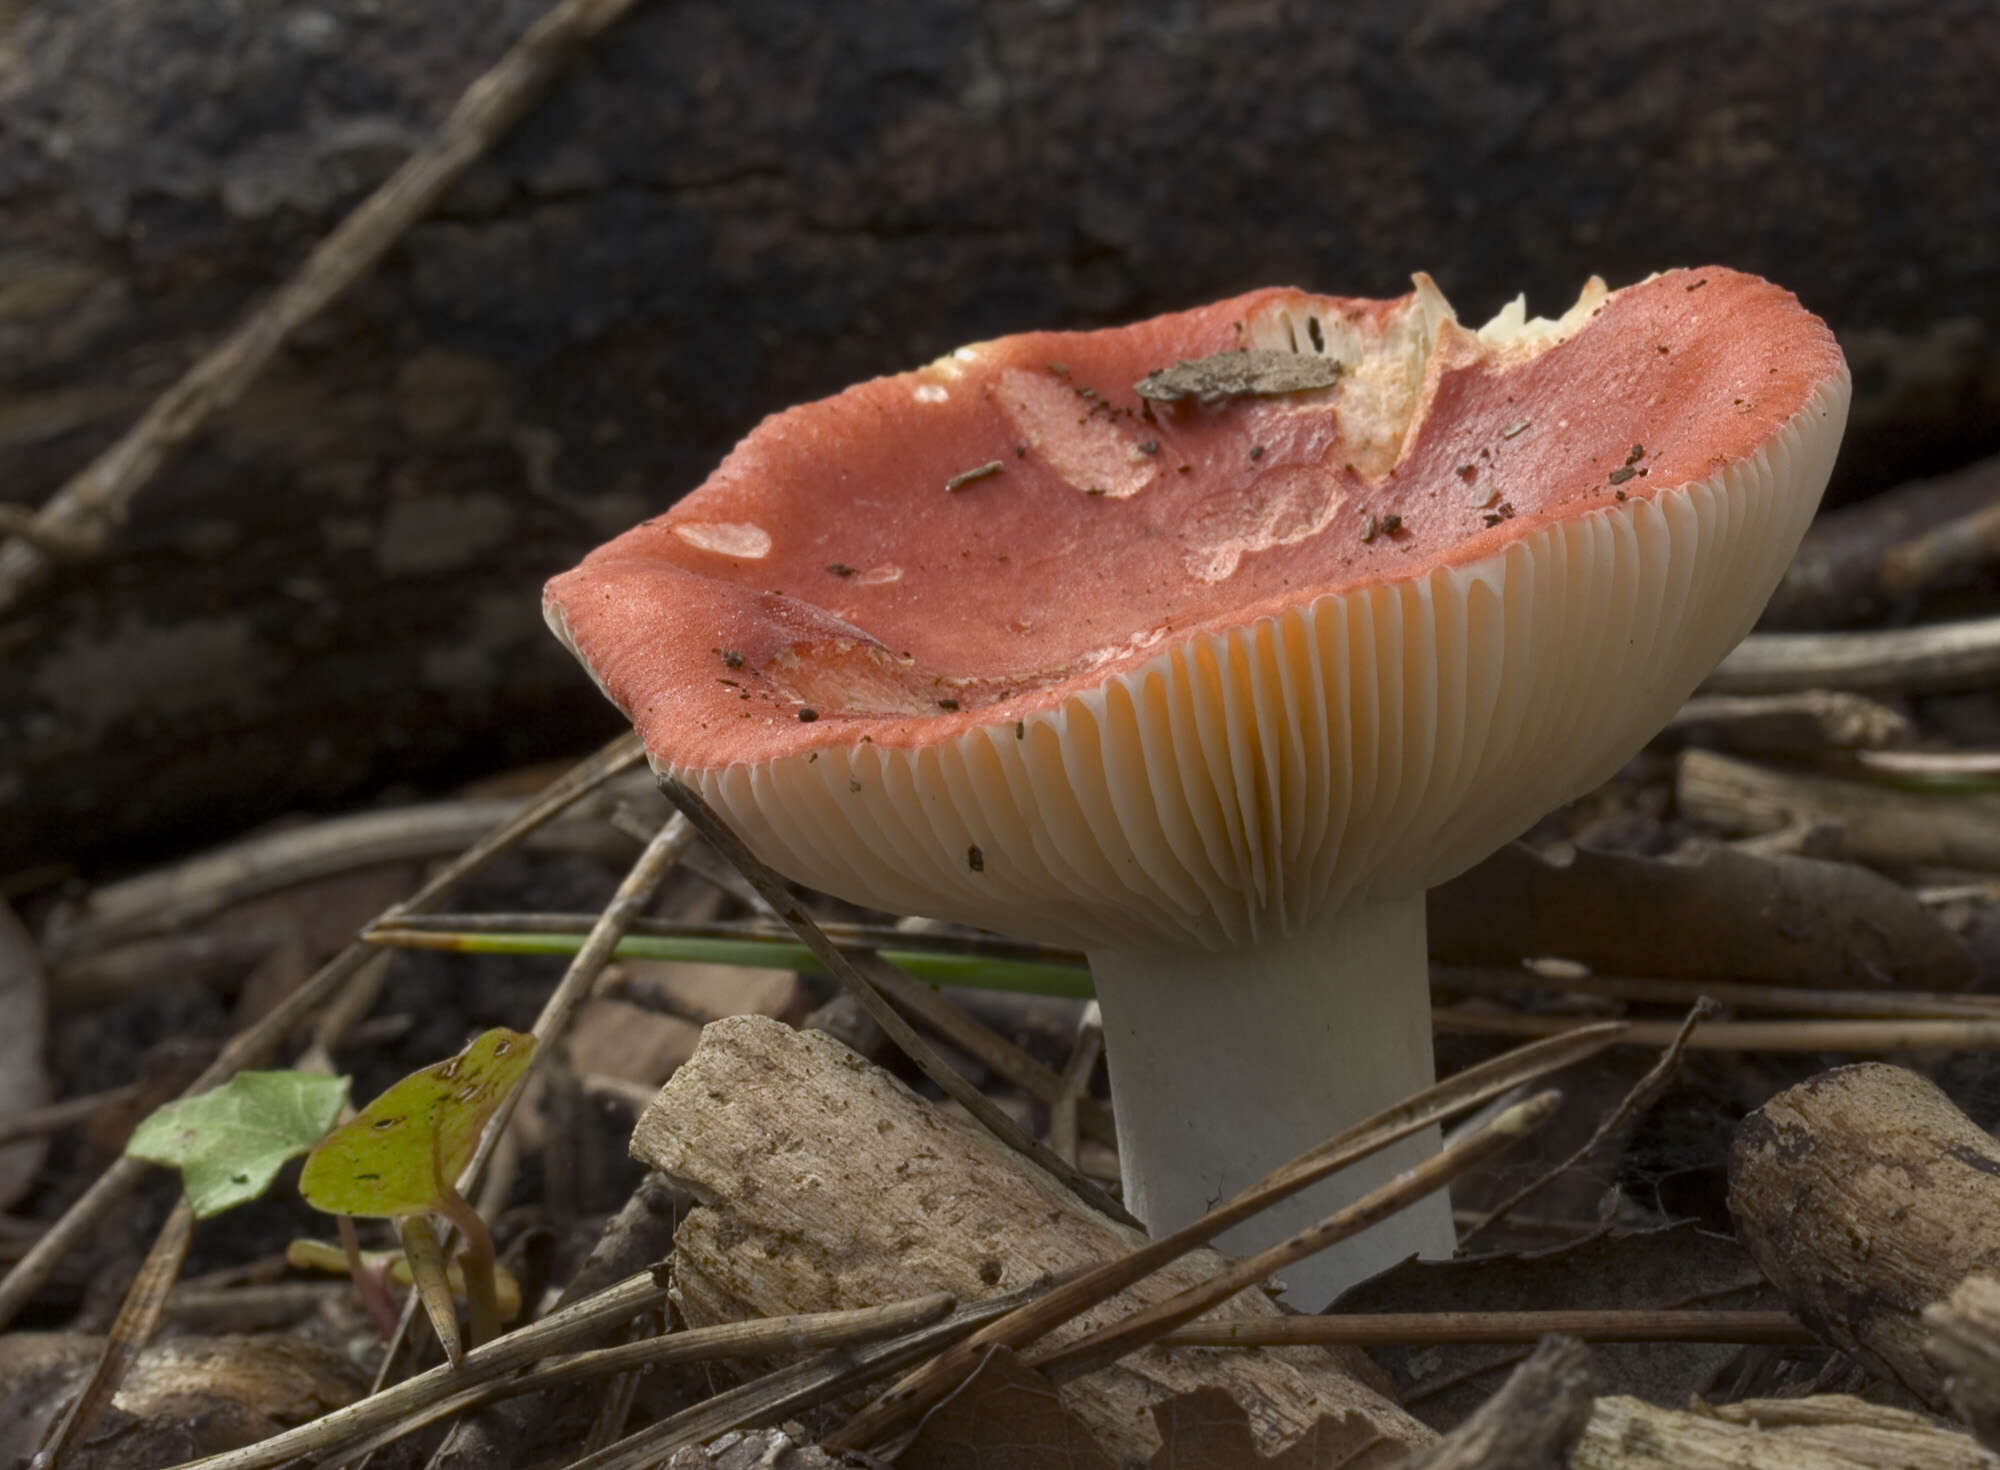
point(808, 715)
point(975, 859)
point(730, 658)
point(840, 569)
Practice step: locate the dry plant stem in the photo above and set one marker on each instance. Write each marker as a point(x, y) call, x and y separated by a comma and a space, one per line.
point(1928, 765)
point(1431, 1329)
point(1449, 980)
point(250, 1047)
point(423, 1253)
point(1530, 1424)
point(759, 1338)
point(1865, 1195)
point(138, 1317)
point(1083, 1058)
point(976, 1039)
point(1878, 825)
point(1964, 1343)
point(186, 892)
point(1787, 724)
point(634, 892)
point(1141, 1328)
point(561, 1331)
point(1859, 1038)
point(792, 1391)
point(1894, 661)
point(52, 541)
point(40, 1122)
point(96, 501)
point(771, 888)
point(1959, 545)
point(916, 1394)
point(1639, 1098)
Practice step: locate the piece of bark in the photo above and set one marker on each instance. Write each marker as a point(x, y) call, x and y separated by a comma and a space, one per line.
point(1532, 1423)
point(824, 1182)
point(1825, 1432)
point(1964, 1342)
point(1715, 913)
point(1865, 1196)
point(1878, 824)
point(736, 207)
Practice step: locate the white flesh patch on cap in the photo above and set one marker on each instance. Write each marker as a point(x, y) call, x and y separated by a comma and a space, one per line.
point(727, 538)
point(1093, 454)
point(1384, 367)
point(1362, 746)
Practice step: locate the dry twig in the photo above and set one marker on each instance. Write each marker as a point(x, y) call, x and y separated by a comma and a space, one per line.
point(83, 514)
point(1639, 1098)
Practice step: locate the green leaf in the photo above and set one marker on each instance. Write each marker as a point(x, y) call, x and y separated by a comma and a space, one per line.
point(230, 1143)
point(402, 1153)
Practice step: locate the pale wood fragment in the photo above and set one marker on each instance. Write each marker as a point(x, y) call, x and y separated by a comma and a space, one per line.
point(1964, 1342)
point(1826, 1432)
point(1865, 1196)
point(824, 1182)
point(1878, 824)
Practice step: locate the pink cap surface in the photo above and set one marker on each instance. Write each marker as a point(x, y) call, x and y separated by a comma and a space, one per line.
point(969, 556)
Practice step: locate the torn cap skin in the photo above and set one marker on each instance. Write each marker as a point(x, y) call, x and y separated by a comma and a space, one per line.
point(1208, 644)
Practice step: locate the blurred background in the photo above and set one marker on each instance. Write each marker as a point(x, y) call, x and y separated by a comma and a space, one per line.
point(331, 598)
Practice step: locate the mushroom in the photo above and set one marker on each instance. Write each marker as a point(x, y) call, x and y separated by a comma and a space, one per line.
point(1208, 644)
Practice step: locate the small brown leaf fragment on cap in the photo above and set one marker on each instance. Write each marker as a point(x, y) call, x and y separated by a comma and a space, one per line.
point(978, 472)
point(1699, 284)
point(1621, 475)
point(1256, 451)
point(1514, 428)
point(1466, 471)
point(731, 658)
point(1392, 525)
point(1258, 373)
point(947, 704)
point(1621, 495)
point(975, 859)
point(1635, 454)
point(808, 715)
point(840, 569)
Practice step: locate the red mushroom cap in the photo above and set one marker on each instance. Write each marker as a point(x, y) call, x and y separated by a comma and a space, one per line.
point(1002, 639)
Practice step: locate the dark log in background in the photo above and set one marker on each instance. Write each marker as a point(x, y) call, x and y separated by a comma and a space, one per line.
point(731, 207)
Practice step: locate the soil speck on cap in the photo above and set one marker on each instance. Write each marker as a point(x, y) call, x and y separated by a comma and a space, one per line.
point(975, 859)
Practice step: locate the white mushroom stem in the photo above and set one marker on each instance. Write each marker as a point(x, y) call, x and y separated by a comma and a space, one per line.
point(1226, 1064)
